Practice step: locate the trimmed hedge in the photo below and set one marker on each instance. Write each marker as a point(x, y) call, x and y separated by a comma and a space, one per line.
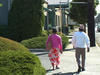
point(20, 63)
point(65, 41)
point(7, 44)
point(4, 30)
point(26, 19)
point(39, 42)
point(35, 42)
point(15, 59)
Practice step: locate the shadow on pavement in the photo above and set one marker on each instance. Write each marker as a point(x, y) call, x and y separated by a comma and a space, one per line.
point(41, 54)
point(69, 49)
point(69, 73)
point(44, 52)
point(38, 50)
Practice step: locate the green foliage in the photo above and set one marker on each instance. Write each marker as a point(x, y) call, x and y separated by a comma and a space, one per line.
point(4, 30)
point(26, 19)
point(7, 44)
point(64, 40)
point(1, 4)
point(39, 42)
point(20, 63)
point(44, 33)
point(36, 42)
point(79, 12)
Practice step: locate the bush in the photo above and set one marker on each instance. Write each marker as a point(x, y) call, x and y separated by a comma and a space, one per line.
point(36, 42)
point(4, 30)
point(44, 33)
point(64, 40)
point(20, 63)
point(25, 19)
point(7, 44)
point(39, 42)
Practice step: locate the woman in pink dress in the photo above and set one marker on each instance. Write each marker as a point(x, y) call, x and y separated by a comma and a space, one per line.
point(56, 48)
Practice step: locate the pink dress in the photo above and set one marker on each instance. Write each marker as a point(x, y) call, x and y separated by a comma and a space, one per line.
point(56, 47)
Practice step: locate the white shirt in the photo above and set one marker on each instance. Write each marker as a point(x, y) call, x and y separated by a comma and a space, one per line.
point(80, 40)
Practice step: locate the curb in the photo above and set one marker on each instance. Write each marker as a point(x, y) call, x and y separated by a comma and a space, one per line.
point(38, 50)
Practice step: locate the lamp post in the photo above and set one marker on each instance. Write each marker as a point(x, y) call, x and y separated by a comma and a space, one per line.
point(60, 18)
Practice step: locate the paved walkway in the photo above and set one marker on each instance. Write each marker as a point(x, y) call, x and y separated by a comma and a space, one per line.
point(68, 65)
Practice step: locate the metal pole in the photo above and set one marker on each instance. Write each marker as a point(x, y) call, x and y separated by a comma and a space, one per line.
point(67, 27)
point(60, 18)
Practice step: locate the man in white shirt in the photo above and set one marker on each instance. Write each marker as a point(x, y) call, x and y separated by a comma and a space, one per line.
point(80, 42)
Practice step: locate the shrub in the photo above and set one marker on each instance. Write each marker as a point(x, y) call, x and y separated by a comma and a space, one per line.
point(65, 41)
point(26, 19)
point(4, 30)
point(20, 63)
point(39, 42)
point(7, 44)
point(44, 33)
point(36, 42)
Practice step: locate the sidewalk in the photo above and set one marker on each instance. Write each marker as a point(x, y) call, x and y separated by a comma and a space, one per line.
point(68, 65)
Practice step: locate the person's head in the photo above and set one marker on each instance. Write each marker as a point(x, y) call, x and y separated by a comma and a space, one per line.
point(81, 28)
point(54, 30)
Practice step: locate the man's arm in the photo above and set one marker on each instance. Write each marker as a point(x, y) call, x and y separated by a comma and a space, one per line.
point(88, 43)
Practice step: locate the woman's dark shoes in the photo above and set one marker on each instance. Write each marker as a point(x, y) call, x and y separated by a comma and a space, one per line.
point(79, 70)
point(57, 67)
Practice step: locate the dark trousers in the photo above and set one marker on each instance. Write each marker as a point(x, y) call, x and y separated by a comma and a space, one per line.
point(80, 52)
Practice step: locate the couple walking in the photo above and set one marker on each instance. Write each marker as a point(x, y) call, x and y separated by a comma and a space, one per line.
point(80, 42)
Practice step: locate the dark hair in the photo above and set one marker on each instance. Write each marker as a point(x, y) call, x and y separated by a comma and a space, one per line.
point(81, 29)
point(54, 30)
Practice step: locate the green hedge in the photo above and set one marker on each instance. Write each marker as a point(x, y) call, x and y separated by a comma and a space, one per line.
point(65, 41)
point(7, 44)
point(36, 42)
point(4, 30)
point(20, 63)
point(26, 19)
point(15, 59)
point(39, 42)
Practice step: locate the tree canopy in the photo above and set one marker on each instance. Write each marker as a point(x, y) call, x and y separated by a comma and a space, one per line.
point(79, 12)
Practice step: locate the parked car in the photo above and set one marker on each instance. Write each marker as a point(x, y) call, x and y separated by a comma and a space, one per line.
point(98, 28)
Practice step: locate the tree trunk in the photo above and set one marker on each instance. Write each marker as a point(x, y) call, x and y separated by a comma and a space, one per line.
point(91, 23)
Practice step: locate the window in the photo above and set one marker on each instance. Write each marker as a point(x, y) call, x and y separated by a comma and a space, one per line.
point(1, 4)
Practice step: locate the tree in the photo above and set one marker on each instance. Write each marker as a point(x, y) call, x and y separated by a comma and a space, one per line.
point(91, 22)
point(26, 19)
point(84, 13)
point(79, 12)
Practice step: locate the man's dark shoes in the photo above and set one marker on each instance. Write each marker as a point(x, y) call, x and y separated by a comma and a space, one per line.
point(83, 69)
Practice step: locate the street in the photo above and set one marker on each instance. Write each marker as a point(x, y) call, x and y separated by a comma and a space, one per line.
point(97, 35)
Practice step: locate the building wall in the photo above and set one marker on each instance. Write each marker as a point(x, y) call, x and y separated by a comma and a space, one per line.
point(4, 11)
